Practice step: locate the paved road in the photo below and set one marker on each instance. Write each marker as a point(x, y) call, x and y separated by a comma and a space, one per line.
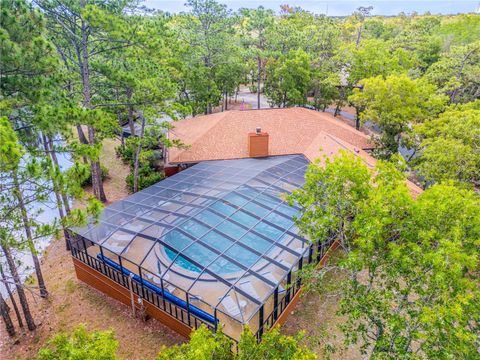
point(405, 152)
point(251, 98)
point(349, 116)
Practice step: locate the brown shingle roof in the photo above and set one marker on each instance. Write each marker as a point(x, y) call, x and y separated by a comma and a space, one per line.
point(291, 131)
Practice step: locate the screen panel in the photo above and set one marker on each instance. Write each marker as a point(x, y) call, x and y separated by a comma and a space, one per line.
point(219, 227)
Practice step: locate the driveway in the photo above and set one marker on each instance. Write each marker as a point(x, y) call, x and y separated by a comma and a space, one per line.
point(251, 98)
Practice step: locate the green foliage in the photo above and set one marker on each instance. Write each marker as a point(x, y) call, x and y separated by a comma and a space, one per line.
point(147, 176)
point(330, 197)
point(374, 58)
point(274, 345)
point(26, 57)
point(126, 153)
point(205, 345)
point(395, 104)
point(288, 79)
point(450, 145)
point(66, 64)
point(255, 25)
point(81, 345)
point(411, 270)
point(143, 151)
point(456, 72)
point(207, 55)
point(10, 150)
point(459, 30)
point(82, 172)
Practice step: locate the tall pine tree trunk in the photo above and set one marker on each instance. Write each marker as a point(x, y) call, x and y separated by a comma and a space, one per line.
point(131, 123)
point(339, 102)
point(66, 203)
point(10, 296)
point(20, 291)
point(136, 164)
point(81, 135)
point(97, 183)
point(56, 190)
point(357, 118)
point(29, 234)
point(96, 171)
point(4, 311)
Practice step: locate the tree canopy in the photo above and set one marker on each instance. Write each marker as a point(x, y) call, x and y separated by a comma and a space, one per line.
point(204, 345)
point(450, 145)
point(81, 345)
point(395, 104)
point(74, 73)
point(411, 283)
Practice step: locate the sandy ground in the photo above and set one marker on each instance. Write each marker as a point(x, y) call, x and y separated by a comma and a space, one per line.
point(72, 302)
point(315, 315)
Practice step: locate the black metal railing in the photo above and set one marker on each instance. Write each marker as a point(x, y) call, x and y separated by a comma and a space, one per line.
point(143, 292)
point(284, 297)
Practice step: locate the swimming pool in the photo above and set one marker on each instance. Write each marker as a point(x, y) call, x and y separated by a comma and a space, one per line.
point(215, 242)
point(220, 231)
point(217, 267)
point(231, 234)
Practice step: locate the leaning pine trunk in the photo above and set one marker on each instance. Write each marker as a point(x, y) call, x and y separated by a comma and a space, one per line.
point(4, 311)
point(136, 164)
point(28, 233)
point(96, 171)
point(10, 296)
point(81, 136)
point(56, 190)
point(20, 291)
point(53, 154)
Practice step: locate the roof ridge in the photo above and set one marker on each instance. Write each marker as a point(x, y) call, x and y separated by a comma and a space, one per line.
point(205, 129)
point(333, 120)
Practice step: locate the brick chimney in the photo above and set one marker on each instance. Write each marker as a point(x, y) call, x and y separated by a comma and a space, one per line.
point(258, 143)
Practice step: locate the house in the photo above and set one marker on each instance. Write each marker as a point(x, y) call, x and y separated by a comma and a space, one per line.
point(296, 130)
point(216, 242)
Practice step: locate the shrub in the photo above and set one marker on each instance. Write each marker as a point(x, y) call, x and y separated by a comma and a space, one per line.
point(81, 345)
point(125, 152)
point(147, 176)
point(205, 345)
point(83, 172)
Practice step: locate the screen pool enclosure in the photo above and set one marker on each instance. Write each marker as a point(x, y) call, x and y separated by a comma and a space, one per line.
point(215, 244)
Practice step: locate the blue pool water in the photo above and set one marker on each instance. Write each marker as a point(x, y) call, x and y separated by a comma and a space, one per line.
point(181, 261)
point(238, 211)
point(220, 266)
point(223, 234)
